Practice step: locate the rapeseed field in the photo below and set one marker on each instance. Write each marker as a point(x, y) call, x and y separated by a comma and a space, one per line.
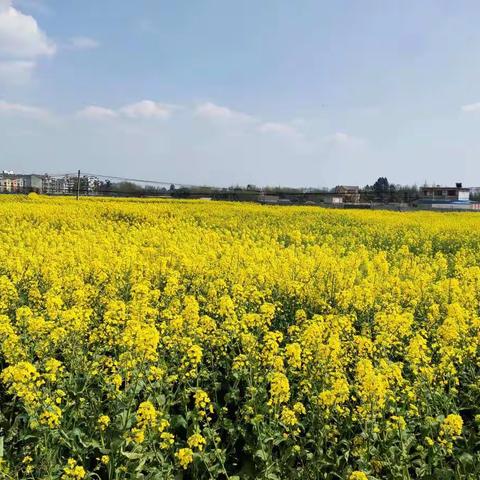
point(148, 339)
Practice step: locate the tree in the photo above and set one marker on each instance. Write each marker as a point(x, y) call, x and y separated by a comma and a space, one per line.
point(381, 189)
point(107, 186)
point(381, 185)
point(182, 192)
point(128, 188)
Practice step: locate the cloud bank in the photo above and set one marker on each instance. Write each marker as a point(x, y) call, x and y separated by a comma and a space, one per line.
point(22, 44)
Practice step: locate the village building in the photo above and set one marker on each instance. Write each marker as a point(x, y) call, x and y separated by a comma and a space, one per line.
point(19, 183)
point(349, 193)
point(438, 194)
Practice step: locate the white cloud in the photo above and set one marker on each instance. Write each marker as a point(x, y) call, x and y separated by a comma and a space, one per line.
point(20, 35)
point(22, 43)
point(147, 109)
point(83, 43)
point(96, 112)
point(7, 108)
point(282, 129)
point(212, 111)
point(471, 107)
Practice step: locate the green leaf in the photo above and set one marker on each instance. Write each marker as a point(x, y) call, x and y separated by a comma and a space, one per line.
point(132, 455)
point(262, 455)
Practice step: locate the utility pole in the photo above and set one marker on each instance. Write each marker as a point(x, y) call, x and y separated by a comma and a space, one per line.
point(78, 185)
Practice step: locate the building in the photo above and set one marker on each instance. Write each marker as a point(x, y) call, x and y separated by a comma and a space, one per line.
point(349, 193)
point(438, 194)
point(53, 185)
point(67, 184)
point(32, 183)
point(268, 199)
point(19, 183)
point(333, 199)
point(446, 198)
point(342, 194)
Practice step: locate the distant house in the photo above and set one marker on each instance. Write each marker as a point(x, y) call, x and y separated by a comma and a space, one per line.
point(475, 191)
point(52, 185)
point(349, 193)
point(269, 199)
point(19, 183)
point(445, 194)
point(63, 185)
point(333, 199)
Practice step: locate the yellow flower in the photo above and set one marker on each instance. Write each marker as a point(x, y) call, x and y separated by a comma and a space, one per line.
point(293, 352)
point(138, 435)
point(167, 440)
point(103, 422)
point(202, 402)
point(185, 457)
point(279, 389)
point(73, 471)
point(156, 373)
point(52, 368)
point(23, 380)
point(51, 416)
point(358, 475)
point(196, 441)
point(429, 441)
point(451, 426)
point(147, 418)
point(288, 417)
point(372, 386)
point(397, 422)
point(146, 415)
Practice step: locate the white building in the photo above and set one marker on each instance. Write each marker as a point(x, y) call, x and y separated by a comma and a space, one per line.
point(19, 183)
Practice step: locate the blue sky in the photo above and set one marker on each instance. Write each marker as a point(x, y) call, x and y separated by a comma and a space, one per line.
point(308, 93)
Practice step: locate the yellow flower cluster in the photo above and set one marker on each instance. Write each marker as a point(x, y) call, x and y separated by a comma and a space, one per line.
point(358, 476)
point(73, 471)
point(450, 430)
point(103, 422)
point(147, 418)
point(203, 403)
point(185, 457)
point(196, 441)
point(150, 336)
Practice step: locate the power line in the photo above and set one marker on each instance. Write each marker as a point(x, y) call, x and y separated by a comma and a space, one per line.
point(202, 188)
point(196, 189)
point(155, 182)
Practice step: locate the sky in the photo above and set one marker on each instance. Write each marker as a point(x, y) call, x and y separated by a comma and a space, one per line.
point(219, 92)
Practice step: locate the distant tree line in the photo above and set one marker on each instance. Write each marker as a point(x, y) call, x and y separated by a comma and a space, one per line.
point(381, 191)
point(385, 192)
point(131, 189)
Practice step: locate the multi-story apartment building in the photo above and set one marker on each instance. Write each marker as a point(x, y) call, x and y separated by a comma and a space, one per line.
point(19, 183)
point(67, 184)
